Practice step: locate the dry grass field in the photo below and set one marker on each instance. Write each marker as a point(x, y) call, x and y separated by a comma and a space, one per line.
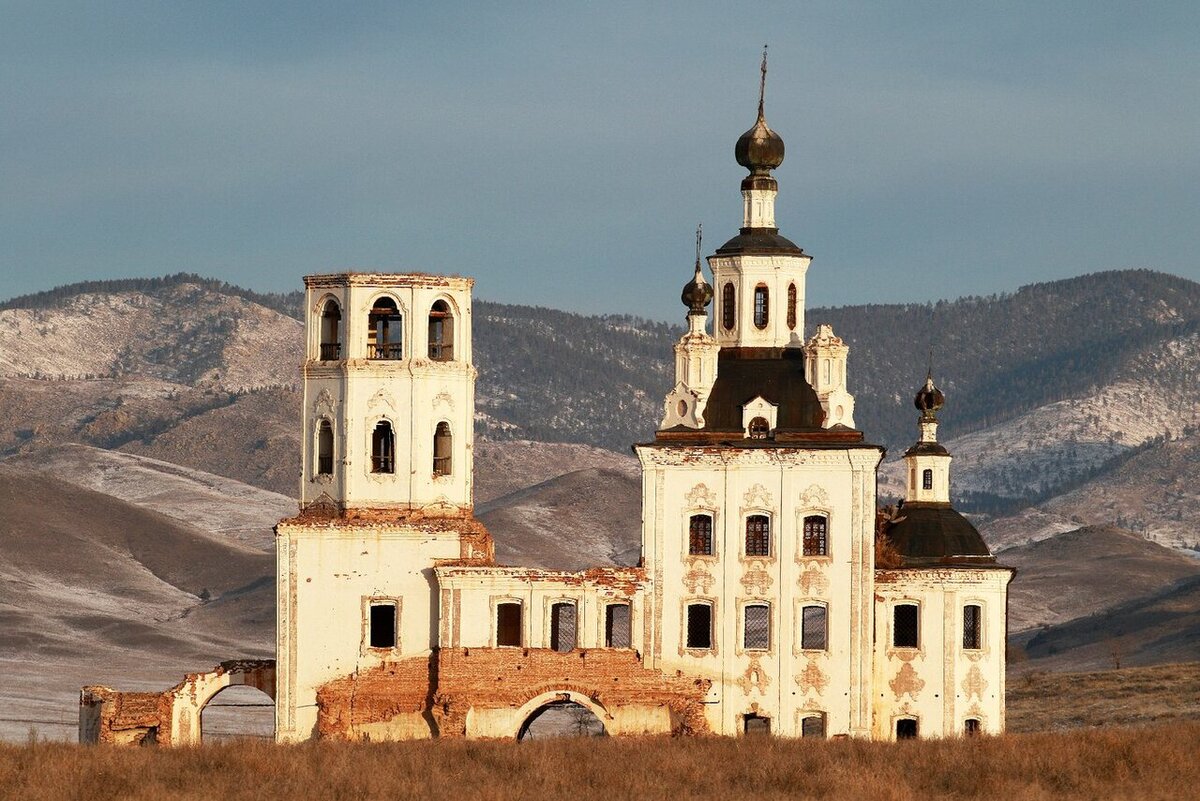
point(1118, 763)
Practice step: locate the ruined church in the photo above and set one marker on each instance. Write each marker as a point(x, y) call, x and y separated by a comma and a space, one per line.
point(772, 594)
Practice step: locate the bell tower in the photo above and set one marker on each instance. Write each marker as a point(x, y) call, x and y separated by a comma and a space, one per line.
point(389, 392)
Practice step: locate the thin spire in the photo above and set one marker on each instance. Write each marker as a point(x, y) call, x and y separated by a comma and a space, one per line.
point(699, 239)
point(762, 84)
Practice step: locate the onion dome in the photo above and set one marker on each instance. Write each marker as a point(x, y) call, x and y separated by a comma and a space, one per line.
point(697, 293)
point(929, 398)
point(760, 149)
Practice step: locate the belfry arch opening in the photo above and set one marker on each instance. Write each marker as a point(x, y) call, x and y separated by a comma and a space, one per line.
point(561, 715)
point(441, 332)
point(385, 330)
point(237, 712)
point(331, 331)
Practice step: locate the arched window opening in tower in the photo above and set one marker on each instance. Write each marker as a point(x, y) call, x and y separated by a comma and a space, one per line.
point(385, 331)
point(906, 631)
point(324, 448)
point(972, 627)
point(562, 627)
point(816, 535)
point(791, 307)
point(927, 479)
point(728, 307)
point(441, 332)
point(617, 632)
point(761, 306)
point(331, 326)
point(699, 626)
point(700, 540)
point(442, 450)
point(758, 535)
point(508, 624)
point(756, 631)
point(759, 428)
point(383, 448)
point(814, 627)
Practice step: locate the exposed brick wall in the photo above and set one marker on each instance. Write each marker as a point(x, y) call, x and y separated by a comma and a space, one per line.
point(375, 695)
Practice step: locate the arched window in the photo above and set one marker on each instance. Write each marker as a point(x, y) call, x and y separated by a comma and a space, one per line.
point(385, 331)
point(972, 626)
point(758, 535)
point(700, 539)
point(972, 727)
point(441, 332)
point(562, 627)
point(816, 536)
point(761, 305)
point(699, 626)
point(728, 307)
point(759, 428)
point(383, 448)
point(331, 325)
point(324, 448)
point(791, 311)
point(442, 449)
point(906, 626)
point(756, 627)
point(814, 628)
point(927, 479)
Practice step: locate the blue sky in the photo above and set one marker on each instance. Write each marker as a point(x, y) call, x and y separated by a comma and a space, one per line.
point(563, 153)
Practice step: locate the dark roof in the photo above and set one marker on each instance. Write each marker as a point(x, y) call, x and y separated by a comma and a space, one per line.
point(927, 449)
point(928, 534)
point(759, 241)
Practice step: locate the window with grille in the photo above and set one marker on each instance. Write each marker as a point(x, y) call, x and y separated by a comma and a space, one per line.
point(562, 627)
point(761, 306)
point(758, 535)
point(616, 626)
point(442, 450)
point(906, 729)
point(385, 331)
point(728, 307)
point(813, 726)
point(791, 307)
point(508, 624)
point(700, 535)
point(441, 332)
point(972, 626)
point(383, 448)
point(816, 536)
point(972, 727)
point(927, 480)
point(814, 627)
point(324, 448)
point(759, 428)
point(382, 625)
point(699, 626)
point(756, 634)
point(905, 626)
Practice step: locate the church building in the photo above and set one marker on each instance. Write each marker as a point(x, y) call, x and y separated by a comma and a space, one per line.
point(773, 594)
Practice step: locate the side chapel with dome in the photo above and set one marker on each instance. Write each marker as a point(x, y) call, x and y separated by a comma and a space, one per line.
point(773, 595)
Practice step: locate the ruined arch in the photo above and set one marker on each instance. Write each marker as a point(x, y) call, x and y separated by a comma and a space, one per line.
point(532, 709)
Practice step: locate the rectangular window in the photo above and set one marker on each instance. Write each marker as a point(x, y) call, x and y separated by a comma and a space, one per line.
point(756, 725)
point(816, 536)
point(508, 624)
point(972, 626)
point(699, 626)
point(756, 635)
point(813, 628)
point(905, 626)
point(927, 480)
point(758, 535)
point(382, 624)
point(700, 540)
point(906, 729)
point(616, 626)
point(562, 627)
point(813, 726)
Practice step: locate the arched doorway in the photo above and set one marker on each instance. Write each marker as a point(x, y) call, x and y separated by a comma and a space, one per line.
point(563, 714)
point(238, 711)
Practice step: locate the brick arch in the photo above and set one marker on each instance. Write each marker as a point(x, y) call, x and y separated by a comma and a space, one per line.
point(563, 693)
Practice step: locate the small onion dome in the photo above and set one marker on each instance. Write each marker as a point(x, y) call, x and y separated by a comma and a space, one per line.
point(697, 293)
point(929, 398)
point(759, 149)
